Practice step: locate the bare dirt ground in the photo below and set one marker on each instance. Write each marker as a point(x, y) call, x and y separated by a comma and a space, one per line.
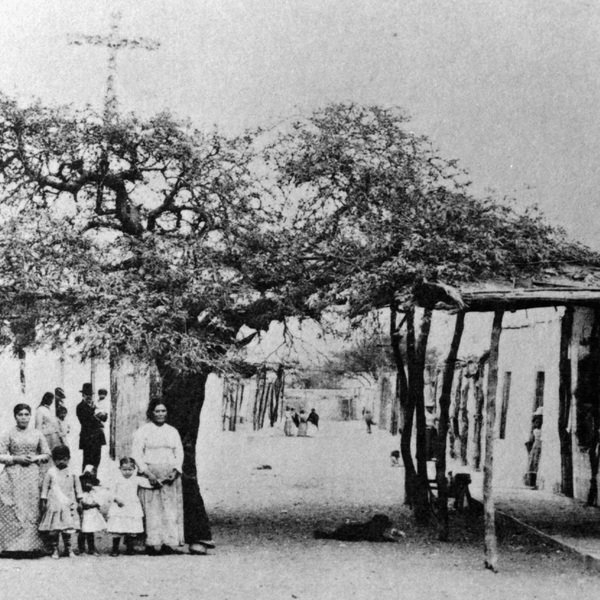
point(263, 521)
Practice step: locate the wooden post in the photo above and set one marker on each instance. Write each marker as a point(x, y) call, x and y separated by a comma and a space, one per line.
point(490, 540)
point(564, 404)
point(114, 402)
point(445, 396)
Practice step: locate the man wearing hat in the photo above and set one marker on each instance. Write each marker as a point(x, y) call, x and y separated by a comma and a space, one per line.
point(91, 437)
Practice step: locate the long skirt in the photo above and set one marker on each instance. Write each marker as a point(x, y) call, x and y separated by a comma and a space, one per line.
point(163, 510)
point(287, 427)
point(19, 509)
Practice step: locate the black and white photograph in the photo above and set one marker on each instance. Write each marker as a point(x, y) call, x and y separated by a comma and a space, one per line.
point(299, 299)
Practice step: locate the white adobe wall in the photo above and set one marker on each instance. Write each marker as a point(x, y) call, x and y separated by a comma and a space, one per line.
point(529, 343)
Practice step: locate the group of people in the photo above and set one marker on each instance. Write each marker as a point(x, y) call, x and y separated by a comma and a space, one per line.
point(300, 420)
point(43, 501)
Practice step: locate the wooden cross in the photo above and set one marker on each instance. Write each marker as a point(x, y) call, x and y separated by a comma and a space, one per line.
point(114, 43)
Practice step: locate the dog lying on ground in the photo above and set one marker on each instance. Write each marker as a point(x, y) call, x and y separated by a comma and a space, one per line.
point(378, 529)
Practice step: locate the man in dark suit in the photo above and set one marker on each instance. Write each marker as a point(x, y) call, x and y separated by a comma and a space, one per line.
point(91, 437)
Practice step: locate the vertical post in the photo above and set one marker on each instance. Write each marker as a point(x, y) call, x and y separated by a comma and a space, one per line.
point(22, 365)
point(445, 397)
point(93, 370)
point(114, 402)
point(490, 540)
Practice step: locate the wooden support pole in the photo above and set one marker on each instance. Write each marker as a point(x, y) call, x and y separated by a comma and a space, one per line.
point(490, 540)
point(445, 397)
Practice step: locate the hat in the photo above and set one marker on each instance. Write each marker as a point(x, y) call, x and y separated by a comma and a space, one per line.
point(59, 393)
point(86, 389)
point(90, 478)
point(102, 392)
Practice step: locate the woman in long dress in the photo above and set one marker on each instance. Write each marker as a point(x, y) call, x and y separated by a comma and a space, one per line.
point(303, 427)
point(22, 451)
point(288, 424)
point(158, 452)
point(47, 422)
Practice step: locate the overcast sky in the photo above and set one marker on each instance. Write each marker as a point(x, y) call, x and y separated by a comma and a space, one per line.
point(511, 88)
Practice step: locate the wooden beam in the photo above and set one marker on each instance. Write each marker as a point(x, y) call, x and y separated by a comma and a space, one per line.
point(490, 540)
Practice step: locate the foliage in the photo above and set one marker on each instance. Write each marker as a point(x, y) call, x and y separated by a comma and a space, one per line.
point(121, 235)
point(381, 212)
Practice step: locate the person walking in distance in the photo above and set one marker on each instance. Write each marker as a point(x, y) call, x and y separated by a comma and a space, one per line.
point(368, 416)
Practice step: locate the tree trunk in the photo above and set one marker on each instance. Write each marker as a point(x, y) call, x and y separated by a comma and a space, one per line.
point(445, 398)
point(402, 400)
point(184, 395)
point(479, 405)
point(491, 544)
point(416, 351)
point(464, 421)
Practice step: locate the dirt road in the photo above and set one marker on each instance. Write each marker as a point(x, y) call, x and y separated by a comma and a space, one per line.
point(263, 520)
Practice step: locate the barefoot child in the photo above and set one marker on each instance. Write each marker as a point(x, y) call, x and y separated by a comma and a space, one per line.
point(61, 493)
point(91, 518)
point(125, 516)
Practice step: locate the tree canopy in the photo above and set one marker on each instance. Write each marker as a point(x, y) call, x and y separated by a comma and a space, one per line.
point(392, 212)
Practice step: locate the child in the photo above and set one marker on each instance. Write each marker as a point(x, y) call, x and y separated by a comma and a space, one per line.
point(125, 516)
point(91, 518)
point(61, 493)
point(63, 427)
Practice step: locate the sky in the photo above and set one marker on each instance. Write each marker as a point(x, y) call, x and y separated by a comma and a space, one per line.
point(510, 88)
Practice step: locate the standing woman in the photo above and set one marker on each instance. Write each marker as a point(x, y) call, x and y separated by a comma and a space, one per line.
point(21, 450)
point(46, 421)
point(158, 452)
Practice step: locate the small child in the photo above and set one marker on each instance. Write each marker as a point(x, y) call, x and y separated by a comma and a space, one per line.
point(395, 458)
point(63, 427)
point(125, 516)
point(91, 518)
point(61, 493)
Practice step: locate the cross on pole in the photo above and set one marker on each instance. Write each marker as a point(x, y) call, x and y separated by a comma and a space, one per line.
point(114, 43)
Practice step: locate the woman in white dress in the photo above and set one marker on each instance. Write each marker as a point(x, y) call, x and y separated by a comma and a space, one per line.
point(47, 422)
point(158, 452)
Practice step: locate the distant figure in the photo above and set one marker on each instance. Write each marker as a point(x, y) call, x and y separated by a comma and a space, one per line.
point(430, 432)
point(47, 423)
point(289, 421)
point(368, 417)
point(303, 427)
point(313, 418)
point(395, 458)
point(65, 428)
point(378, 529)
point(534, 445)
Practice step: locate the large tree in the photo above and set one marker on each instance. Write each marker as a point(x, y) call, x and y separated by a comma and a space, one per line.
point(122, 236)
point(382, 221)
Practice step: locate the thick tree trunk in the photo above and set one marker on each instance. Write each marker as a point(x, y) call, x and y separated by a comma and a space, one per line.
point(445, 398)
point(184, 395)
point(491, 544)
point(416, 351)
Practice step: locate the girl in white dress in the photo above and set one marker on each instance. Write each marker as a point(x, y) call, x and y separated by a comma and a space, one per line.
point(125, 516)
point(61, 494)
point(92, 520)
